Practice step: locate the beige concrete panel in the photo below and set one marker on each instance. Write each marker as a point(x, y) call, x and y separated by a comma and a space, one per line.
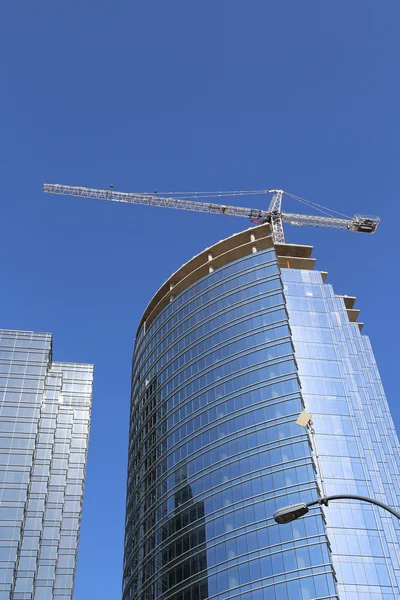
point(353, 314)
point(294, 250)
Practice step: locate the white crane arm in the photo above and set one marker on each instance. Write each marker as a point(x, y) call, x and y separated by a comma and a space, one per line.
point(150, 200)
point(356, 223)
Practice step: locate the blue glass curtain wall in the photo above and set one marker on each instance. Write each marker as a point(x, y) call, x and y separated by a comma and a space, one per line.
point(214, 449)
point(44, 427)
point(355, 436)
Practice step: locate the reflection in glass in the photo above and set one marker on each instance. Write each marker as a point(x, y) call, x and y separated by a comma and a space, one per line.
point(185, 552)
point(218, 380)
point(213, 445)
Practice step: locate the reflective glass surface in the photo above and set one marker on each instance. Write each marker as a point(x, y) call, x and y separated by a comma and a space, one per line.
point(44, 428)
point(356, 444)
point(214, 449)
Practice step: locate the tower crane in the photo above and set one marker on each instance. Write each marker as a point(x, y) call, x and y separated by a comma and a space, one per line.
point(193, 201)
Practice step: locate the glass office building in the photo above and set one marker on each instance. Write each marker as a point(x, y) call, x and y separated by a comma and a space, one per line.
point(44, 427)
point(229, 351)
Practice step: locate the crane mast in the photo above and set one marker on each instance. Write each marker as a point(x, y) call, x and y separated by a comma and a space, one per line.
point(274, 215)
point(275, 210)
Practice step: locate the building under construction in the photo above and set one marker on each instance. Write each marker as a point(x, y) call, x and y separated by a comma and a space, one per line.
point(232, 348)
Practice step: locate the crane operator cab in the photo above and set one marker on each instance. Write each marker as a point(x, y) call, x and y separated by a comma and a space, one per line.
point(365, 224)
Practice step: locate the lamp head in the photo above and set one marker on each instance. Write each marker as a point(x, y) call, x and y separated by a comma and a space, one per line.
point(290, 513)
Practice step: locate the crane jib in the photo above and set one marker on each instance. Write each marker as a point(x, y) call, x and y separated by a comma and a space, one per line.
point(273, 215)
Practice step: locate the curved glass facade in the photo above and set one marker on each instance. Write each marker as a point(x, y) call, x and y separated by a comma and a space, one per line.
point(219, 378)
point(214, 448)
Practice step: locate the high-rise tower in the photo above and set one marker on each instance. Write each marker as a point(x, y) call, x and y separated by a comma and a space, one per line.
point(229, 351)
point(44, 428)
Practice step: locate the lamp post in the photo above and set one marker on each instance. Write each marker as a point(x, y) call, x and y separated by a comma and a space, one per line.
point(294, 511)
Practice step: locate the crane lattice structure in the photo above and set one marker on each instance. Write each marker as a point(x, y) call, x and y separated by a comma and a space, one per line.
point(190, 201)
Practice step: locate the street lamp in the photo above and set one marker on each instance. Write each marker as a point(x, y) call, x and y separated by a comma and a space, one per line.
point(294, 511)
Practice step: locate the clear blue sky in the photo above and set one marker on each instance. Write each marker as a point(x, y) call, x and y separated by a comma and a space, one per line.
point(182, 95)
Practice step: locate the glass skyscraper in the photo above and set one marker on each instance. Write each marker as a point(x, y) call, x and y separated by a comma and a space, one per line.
point(230, 350)
point(44, 427)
